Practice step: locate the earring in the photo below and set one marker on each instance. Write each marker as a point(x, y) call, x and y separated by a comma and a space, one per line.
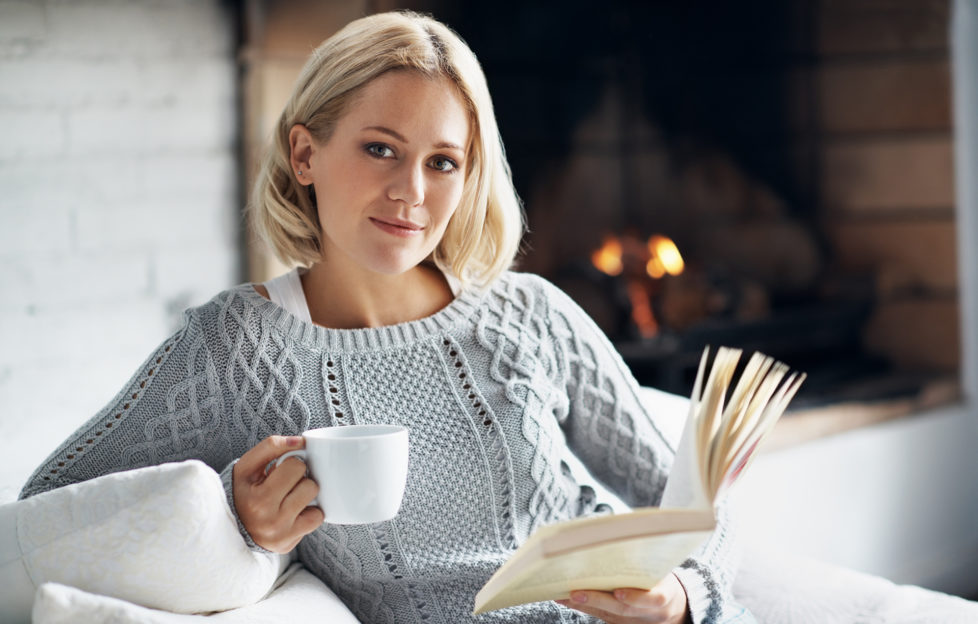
point(300, 171)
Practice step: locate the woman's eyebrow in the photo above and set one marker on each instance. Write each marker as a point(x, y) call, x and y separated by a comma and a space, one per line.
point(402, 139)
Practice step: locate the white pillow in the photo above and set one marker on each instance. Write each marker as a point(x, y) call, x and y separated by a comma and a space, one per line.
point(162, 537)
point(298, 597)
point(59, 604)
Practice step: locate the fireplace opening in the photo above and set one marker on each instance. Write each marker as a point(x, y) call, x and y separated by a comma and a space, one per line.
point(775, 177)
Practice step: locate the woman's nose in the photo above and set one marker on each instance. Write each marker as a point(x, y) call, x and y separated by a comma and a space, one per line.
point(408, 185)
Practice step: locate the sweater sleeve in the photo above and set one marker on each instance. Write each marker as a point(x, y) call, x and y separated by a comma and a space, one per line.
point(170, 410)
point(609, 428)
point(227, 480)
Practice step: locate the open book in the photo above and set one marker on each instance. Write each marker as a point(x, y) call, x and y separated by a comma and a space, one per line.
point(726, 423)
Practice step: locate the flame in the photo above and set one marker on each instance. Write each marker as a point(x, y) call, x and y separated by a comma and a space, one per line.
point(642, 313)
point(664, 257)
point(661, 258)
point(607, 259)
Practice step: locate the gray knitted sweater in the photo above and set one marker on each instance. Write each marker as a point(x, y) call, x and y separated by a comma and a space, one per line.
point(496, 389)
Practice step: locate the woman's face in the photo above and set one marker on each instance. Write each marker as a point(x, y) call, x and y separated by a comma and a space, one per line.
point(390, 177)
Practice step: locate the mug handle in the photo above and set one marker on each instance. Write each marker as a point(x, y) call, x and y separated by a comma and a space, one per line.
point(275, 463)
point(301, 454)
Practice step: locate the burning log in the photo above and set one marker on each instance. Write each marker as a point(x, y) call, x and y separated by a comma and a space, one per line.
point(641, 264)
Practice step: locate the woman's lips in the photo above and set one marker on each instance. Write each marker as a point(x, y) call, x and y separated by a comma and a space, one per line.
point(397, 227)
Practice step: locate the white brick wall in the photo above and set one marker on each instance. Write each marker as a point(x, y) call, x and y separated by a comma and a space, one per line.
point(118, 199)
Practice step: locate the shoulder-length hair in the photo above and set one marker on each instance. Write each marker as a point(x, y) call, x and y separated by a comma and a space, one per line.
point(483, 236)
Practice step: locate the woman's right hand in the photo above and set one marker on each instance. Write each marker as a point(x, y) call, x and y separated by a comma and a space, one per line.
point(274, 507)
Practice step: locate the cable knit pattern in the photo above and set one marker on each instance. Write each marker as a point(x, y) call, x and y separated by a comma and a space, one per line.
point(604, 410)
point(263, 374)
point(193, 411)
point(513, 330)
point(496, 390)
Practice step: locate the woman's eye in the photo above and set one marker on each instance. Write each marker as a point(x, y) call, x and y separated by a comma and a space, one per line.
point(380, 150)
point(444, 164)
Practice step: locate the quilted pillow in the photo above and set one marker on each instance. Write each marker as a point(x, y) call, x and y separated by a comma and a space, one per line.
point(298, 597)
point(162, 537)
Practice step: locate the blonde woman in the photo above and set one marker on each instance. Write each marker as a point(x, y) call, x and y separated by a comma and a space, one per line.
point(387, 184)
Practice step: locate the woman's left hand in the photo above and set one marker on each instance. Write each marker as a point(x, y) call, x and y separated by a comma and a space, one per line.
point(666, 602)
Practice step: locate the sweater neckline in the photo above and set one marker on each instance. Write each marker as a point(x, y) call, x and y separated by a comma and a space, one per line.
point(367, 338)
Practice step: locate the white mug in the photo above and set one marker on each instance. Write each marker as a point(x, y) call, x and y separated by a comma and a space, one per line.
point(361, 471)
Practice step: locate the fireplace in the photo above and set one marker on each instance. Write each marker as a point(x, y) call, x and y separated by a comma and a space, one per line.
point(794, 156)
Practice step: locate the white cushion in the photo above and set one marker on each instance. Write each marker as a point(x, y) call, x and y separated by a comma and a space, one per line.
point(162, 537)
point(55, 603)
point(298, 597)
point(789, 589)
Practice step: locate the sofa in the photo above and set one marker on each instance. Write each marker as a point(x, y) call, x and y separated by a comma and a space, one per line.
point(160, 545)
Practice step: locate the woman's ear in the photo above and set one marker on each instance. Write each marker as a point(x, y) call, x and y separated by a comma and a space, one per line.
point(300, 151)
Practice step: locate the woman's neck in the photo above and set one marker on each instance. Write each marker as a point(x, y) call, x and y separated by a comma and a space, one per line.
point(351, 300)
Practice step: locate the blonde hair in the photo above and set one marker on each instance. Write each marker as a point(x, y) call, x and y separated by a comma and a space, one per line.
point(483, 236)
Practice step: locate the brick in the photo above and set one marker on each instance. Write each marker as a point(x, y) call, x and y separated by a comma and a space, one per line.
point(64, 84)
point(72, 279)
point(800, 164)
point(906, 256)
point(602, 127)
point(133, 131)
point(104, 179)
point(657, 190)
point(884, 173)
point(917, 334)
point(212, 174)
point(53, 335)
point(81, 182)
point(72, 390)
point(872, 26)
point(154, 223)
point(81, 28)
point(32, 135)
point(23, 233)
point(136, 100)
point(192, 128)
point(209, 81)
point(885, 95)
point(799, 109)
point(141, 30)
point(21, 20)
point(559, 206)
point(21, 190)
point(192, 277)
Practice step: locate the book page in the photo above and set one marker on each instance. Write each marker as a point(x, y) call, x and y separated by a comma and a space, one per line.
point(684, 488)
point(685, 485)
point(640, 563)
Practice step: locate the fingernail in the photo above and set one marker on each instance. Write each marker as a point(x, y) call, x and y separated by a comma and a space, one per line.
point(293, 441)
point(620, 594)
point(579, 597)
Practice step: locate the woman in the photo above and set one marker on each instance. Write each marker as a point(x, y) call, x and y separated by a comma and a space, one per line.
point(387, 182)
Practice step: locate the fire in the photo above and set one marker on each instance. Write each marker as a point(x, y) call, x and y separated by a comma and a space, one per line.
point(660, 256)
point(607, 259)
point(664, 257)
point(642, 314)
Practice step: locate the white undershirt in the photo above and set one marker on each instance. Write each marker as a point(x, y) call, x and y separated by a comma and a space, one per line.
point(286, 292)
